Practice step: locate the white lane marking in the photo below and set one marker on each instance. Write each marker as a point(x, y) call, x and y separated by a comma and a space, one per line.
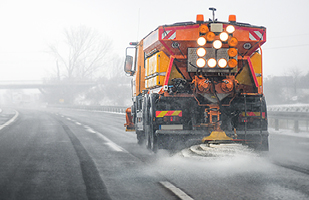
point(107, 141)
point(114, 146)
point(10, 121)
point(110, 143)
point(90, 130)
point(178, 192)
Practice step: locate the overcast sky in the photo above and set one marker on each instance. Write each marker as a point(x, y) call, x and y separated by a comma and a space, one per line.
point(29, 26)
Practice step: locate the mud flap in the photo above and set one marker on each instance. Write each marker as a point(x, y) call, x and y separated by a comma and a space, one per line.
point(129, 120)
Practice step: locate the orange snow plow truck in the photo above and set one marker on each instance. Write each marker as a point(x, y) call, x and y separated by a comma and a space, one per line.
point(198, 81)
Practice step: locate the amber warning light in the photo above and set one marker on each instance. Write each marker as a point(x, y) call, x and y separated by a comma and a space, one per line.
point(232, 18)
point(199, 18)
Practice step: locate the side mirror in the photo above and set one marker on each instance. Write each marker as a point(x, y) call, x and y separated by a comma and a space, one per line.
point(128, 64)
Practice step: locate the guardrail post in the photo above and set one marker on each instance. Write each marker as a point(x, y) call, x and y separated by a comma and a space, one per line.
point(296, 126)
point(277, 124)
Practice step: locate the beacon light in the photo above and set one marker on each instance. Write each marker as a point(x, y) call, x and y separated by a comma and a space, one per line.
point(222, 63)
point(217, 44)
point(224, 36)
point(232, 63)
point(233, 42)
point(230, 29)
point(201, 41)
point(201, 62)
point(201, 52)
point(232, 52)
point(212, 62)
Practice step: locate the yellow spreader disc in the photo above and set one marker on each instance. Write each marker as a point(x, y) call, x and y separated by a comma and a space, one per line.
point(216, 135)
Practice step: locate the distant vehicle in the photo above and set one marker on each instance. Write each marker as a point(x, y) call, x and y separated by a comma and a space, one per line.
point(198, 81)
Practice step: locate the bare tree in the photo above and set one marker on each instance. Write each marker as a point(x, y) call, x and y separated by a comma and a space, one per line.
point(80, 57)
point(296, 73)
point(293, 77)
point(82, 54)
point(112, 89)
point(274, 90)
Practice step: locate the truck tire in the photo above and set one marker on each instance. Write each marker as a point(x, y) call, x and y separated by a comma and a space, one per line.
point(260, 143)
point(140, 135)
point(151, 139)
point(146, 120)
point(264, 146)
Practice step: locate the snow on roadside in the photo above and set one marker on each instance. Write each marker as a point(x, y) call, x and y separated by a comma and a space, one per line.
point(288, 132)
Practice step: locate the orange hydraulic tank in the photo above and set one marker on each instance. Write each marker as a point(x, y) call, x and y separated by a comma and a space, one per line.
point(140, 71)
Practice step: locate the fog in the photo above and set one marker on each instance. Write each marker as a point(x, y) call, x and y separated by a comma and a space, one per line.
point(30, 26)
point(38, 39)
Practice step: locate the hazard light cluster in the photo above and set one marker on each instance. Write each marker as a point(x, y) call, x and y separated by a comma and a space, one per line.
point(169, 116)
point(217, 49)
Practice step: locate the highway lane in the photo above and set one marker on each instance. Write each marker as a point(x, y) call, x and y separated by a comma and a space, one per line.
point(290, 150)
point(47, 156)
point(36, 160)
point(242, 176)
point(71, 154)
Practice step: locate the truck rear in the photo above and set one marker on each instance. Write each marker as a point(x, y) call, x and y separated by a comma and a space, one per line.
point(198, 81)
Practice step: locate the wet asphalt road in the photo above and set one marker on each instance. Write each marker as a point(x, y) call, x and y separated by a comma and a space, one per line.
point(69, 154)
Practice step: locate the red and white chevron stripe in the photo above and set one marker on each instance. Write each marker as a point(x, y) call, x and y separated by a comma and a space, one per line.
point(169, 35)
point(256, 35)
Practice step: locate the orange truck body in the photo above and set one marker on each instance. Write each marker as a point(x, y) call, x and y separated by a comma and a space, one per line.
point(209, 71)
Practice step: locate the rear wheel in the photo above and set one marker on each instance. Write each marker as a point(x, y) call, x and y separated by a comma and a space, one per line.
point(147, 137)
point(153, 142)
point(146, 106)
point(259, 143)
point(264, 146)
point(151, 138)
point(140, 135)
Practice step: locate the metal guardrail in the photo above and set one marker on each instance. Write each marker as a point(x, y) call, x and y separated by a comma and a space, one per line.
point(289, 108)
point(42, 84)
point(117, 109)
point(294, 117)
point(288, 115)
point(284, 117)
